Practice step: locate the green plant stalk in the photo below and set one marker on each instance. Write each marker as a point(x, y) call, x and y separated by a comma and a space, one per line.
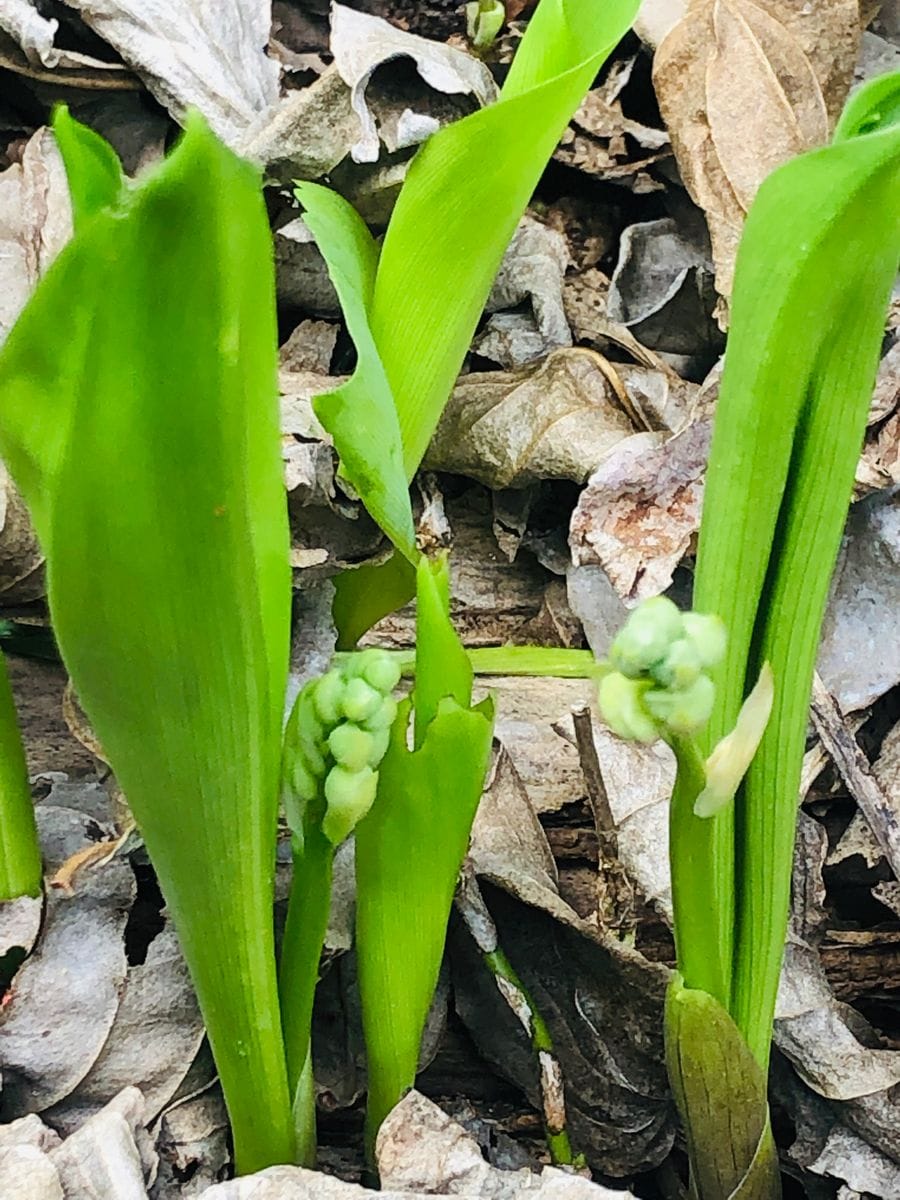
point(778, 488)
point(301, 949)
point(546, 661)
point(20, 851)
point(694, 853)
point(146, 446)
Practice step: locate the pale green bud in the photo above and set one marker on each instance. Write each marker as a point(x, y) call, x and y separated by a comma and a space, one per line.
point(380, 741)
point(646, 636)
point(620, 701)
point(360, 701)
point(350, 746)
point(383, 718)
point(686, 711)
point(728, 763)
point(349, 795)
point(484, 22)
point(328, 692)
point(680, 668)
point(300, 781)
point(707, 635)
point(382, 672)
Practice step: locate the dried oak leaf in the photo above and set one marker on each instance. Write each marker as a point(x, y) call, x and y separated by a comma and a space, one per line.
point(744, 85)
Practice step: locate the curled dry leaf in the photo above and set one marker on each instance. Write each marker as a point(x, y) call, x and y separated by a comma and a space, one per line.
point(35, 222)
point(361, 43)
point(557, 420)
point(859, 658)
point(63, 1000)
point(641, 509)
point(192, 54)
point(744, 85)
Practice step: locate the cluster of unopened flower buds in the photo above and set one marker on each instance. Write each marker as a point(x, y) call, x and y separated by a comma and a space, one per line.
point(336, 737)
point(658, 681)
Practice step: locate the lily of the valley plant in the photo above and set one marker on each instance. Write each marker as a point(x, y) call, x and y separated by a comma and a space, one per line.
point(146, 444)
point(815, 269)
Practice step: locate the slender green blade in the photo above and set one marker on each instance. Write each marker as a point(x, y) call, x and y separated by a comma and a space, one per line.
point(140, 422)
point(814, 273)
point(461, 201)
point(92, 167)
point(426, 802)
point(361, 416)
point(424, 810)
point(720, 1091)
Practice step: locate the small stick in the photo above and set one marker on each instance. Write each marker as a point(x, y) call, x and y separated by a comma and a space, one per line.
point(854, 769)
point(615, 894)
point(480, 924)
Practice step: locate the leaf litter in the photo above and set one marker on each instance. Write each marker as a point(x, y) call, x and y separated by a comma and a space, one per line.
point(571, 461)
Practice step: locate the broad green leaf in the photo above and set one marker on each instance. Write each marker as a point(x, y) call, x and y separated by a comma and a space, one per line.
point(364, 595)
point(463, 196)
point(814, 274)
point(140, 421)
point(462, 199)
point(423, 814)
point(720, 1091)
point(92, 167)
point(360, 416)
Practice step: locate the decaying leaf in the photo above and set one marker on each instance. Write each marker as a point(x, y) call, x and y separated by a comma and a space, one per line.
point(859, 659)
point(640, 510)
point(209, 57)
point(35, 222)
point(744, 85)
point(307, 134)
point(64, 998)
point(361, 43)
point(557, 420)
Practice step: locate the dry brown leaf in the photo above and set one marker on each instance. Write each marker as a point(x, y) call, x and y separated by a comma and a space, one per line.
point(744, 85)
point(556, 421)
point(641, 509)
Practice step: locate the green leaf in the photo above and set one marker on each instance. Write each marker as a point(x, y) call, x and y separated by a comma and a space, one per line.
point(720, 1091)
point(461, 201)
point(366, 594)
point(92, 167)
point(140, 422)
point(424, 810)
point(442, 665)
point(814, 274)
point(360, 416)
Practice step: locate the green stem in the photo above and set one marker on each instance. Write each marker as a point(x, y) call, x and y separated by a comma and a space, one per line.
point(301, 950)
point(553, 1105)
point(20, 852)
point(701, 853)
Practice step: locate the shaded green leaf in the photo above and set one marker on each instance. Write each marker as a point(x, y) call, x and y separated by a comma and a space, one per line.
point(720, 1091)
point(360, 415)
point(92, 167)
point(146, 444)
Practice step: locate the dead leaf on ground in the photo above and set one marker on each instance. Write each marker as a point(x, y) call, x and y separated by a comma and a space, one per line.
point(361, 43)
point(35, 222)
point(744, 85)
point(192, 54)
point(639, 513)
point(859, 658)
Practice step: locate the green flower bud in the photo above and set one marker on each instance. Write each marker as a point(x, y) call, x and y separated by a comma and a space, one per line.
point(380, 741)
point(646, 636)
point(707, 635)
point(328, 692)
point(685, 711)
point(349, 796)
point(680, 668)
point(360, 701)
point(350, 746)
point(621, 703)
point(383, 673)
point(300, 781)
point(384, 718)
